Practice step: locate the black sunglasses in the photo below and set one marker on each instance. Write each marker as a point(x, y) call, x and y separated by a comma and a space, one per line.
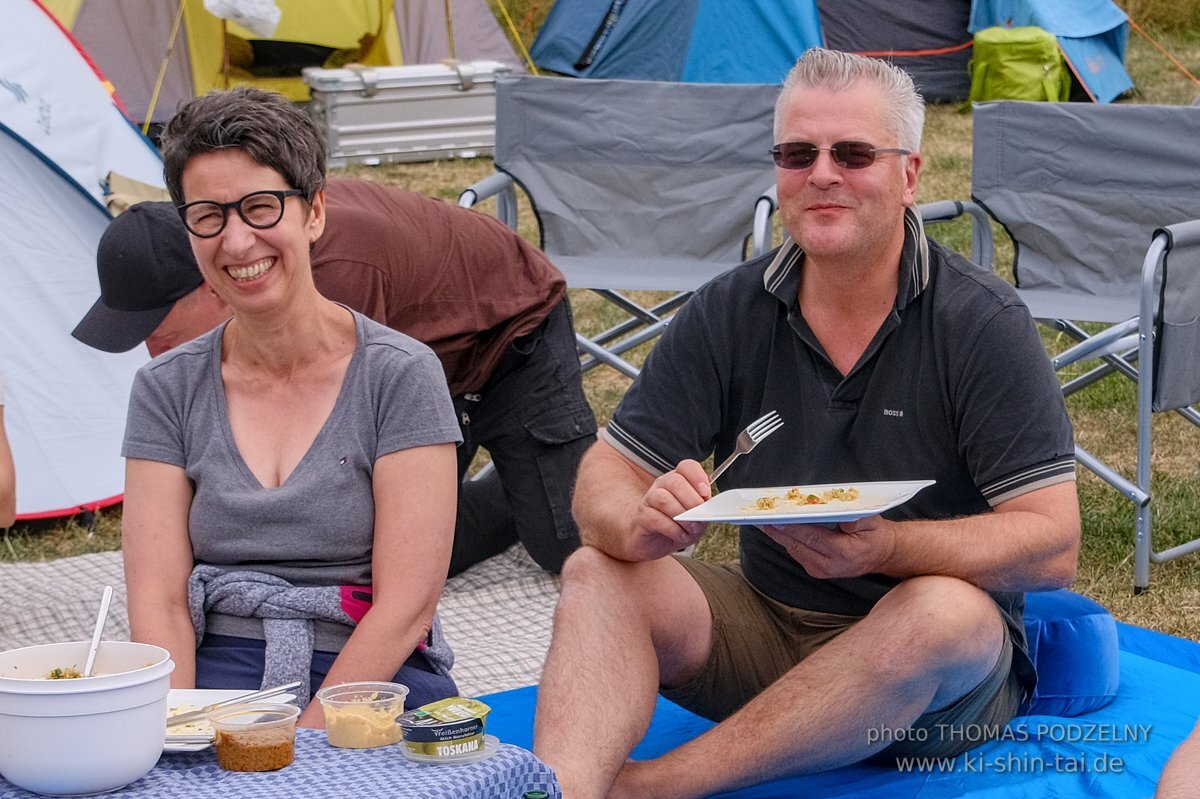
point(846, 154)
point(259, 209)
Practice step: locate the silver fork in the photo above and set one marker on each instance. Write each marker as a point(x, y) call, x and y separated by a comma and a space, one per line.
point(748, 439)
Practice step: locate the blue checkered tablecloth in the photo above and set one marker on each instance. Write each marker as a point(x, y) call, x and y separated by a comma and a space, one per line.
point(321, 770)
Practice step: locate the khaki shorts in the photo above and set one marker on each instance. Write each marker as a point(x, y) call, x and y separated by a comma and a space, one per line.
point(757, 639)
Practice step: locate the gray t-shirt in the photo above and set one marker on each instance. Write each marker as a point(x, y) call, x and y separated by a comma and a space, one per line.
point(318, 527)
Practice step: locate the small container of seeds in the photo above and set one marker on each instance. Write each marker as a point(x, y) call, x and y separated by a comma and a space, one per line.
point(255, 737)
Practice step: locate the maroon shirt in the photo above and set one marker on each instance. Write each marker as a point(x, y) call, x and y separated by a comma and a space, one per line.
point(455, 279)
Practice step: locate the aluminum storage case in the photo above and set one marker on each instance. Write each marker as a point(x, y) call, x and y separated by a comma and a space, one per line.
point(420, 112)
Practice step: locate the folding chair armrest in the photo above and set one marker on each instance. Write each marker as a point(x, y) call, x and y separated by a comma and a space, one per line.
point(940, 210)
point(764, 209)
point(500, 186)
point(490, 186)
point(1168, 237)
point(982, 243)
point(1164, 239)
point(1110, 341)
point(1183, 234)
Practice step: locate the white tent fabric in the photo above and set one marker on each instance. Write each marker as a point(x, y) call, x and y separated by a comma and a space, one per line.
point(60, 134)
point(65, 402)
point(57, 103)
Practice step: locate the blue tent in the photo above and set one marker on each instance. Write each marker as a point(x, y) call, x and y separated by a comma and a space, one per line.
point(1091, 33)
point(695, 41)
point(757, 41)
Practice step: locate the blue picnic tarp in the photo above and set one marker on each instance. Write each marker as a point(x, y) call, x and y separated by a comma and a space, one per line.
point(1117, 751)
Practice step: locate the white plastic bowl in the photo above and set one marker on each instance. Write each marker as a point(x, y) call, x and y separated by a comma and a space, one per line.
point(88, 734)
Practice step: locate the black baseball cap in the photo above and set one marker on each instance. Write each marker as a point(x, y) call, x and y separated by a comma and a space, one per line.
point(145, 263)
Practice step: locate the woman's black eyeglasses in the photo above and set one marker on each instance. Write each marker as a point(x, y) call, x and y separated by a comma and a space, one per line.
point(259, 209)
point(846, 154)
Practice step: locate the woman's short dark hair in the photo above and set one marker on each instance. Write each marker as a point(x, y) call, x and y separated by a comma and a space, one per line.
point(266, 126)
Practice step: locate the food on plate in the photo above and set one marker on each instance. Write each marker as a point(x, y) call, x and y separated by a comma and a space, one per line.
point(197, 727)
point(64, 673)
point(797, 496)
point(832, 495)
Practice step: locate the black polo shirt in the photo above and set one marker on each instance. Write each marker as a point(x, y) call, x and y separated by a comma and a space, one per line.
point(955, 387)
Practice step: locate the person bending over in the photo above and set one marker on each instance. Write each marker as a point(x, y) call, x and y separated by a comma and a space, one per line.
point(490, 305)
point(290, 475)
point(888, 357)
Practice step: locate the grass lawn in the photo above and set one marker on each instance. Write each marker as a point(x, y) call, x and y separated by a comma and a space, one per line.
point(1104, 422)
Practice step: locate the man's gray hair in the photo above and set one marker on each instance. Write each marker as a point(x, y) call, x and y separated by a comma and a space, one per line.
point(835, 70)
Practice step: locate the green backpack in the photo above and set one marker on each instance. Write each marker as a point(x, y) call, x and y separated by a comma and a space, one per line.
point(1018, 64)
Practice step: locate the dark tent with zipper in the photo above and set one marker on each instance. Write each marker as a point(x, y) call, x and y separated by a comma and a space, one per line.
point(757, 41)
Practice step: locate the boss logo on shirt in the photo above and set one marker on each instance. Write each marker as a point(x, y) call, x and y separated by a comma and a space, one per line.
point(889, 412)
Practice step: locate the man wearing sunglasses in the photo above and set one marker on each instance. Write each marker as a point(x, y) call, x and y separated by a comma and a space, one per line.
point(491, 306)
point(888, 358)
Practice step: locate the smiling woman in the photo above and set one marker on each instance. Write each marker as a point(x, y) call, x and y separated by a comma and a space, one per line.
point(332, 469)
point(250, 257)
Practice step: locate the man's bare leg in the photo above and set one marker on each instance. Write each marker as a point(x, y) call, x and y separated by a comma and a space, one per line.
point(617, 626)
point(927, 643)
point(1180, 778)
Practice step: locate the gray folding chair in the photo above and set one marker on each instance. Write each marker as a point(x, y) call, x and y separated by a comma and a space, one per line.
point(1081, 189)
point(637, 186)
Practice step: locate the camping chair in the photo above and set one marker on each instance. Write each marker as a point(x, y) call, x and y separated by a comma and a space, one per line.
point(637, 186)
point(1081, 190)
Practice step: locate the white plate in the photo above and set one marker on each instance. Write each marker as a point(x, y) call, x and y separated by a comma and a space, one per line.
point(737, 505)
point(490, 745)
point(198, 698)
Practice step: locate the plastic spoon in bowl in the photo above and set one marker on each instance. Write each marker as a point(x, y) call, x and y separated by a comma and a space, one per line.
point(101, 617)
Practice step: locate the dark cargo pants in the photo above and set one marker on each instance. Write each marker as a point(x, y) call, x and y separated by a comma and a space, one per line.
point(533, 419)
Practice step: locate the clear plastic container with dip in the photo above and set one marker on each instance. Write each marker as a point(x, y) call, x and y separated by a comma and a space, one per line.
point(255, 737)
point(362, 715)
